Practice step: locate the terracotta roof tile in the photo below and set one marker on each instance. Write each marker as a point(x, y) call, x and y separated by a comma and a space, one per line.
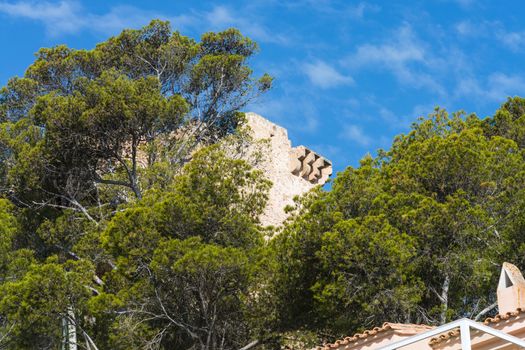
point(444, 336)
point(399, 326)
point(502, 317)
point(374, 331)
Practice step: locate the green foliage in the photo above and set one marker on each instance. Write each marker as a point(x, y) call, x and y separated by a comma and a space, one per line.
point(216, 198)
point(178, 267)
point(124, 218)
point(183, 257)
point(36, 303)
point(95, 118)
point(370, 253)
point(416, 235)
point(190, 294)
point(118, 205)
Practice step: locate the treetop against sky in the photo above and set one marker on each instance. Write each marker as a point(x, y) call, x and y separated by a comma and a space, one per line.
point(349, 75)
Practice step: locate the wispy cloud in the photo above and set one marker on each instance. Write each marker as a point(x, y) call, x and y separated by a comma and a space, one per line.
point(503, 85)
point(399, 50)
point(325, 76)
point(496, 87)
point(515, 41)
point(58, 18)
point(467, 28)
point(423, 110)
point(329, 151)
point(359, 10)
point(355, 133)
point(465, 3)
point(222, 17)
point(296, 112)
point(334, 7)
point(69, 17)
point(404, 55)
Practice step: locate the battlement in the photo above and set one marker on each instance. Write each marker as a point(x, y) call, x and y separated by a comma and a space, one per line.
point(293, 170)
point(309, 165)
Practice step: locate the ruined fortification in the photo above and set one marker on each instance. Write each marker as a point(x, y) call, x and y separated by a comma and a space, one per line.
point(293, 170)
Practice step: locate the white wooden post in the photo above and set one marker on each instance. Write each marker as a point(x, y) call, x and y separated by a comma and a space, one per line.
point(464, 333)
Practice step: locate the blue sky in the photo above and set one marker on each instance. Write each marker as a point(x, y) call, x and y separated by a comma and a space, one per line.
point(350, 75)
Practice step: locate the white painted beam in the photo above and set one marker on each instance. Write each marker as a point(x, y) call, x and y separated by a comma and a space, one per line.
point(464, 333)
point(499, 334)
point(464, 325)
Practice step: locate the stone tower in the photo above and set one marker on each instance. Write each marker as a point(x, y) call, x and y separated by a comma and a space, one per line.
point(293, 170)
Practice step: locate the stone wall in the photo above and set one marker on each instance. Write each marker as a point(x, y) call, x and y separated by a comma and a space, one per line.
point(293, 170)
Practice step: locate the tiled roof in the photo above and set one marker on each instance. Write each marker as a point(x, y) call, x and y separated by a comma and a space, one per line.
point(415, 329)
point(496, 319)
point(442, 337)
point(400, 327)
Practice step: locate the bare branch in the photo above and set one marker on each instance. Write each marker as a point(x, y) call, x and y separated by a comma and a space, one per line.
point(485, 310)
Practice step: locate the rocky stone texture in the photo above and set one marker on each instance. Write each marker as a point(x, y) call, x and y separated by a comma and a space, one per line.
point(293, 170)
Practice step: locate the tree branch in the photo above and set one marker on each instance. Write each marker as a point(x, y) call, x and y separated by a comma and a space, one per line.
point(250, 345)
point(485, 310)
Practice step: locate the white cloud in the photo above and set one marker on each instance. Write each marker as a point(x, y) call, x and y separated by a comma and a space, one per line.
point(61, 17)
point(334, 8)
point(69, 17)
point(396, 121)
point(401, 50)
point(293, 110)
point(222, 17)
point(503, 86)
point(387, 115)
point(359, 10)
point(469, 86)
point(423, 110)
point(513, 40)
point(329, 151)
point(325, 76)
point(355, 134)
point(496, 87)
point(121, 17)
point(467, 28)
point(404, 56)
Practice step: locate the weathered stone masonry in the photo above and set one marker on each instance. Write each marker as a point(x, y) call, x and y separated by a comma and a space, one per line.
point(293, 170)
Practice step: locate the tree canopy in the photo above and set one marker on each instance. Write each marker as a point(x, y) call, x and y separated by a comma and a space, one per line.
point(417, 234)
point(123, 223)
point(129, 218)
point(81, 118)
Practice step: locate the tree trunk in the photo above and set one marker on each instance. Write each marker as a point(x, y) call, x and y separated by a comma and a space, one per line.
point(69, 331)
point(133, 179)
point(444, 300)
